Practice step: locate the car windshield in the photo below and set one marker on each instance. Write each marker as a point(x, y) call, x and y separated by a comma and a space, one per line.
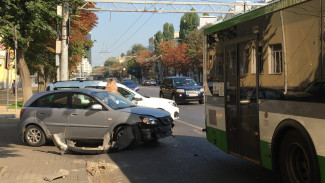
point(184, 82)
point(128, 83)
point(114, 101)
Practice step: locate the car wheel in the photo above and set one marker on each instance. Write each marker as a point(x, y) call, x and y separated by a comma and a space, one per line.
point(161, 95)
point(34, 136)
point(123, 137)
point(201, 101)
point(296, 160)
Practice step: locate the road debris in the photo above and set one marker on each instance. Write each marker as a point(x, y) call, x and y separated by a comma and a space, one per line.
point(2, 170)
point(97, 169)
point(60, 174)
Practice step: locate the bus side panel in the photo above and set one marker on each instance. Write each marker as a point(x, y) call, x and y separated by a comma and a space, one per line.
point(321, 161)
point(266, 154)
point(215, 123)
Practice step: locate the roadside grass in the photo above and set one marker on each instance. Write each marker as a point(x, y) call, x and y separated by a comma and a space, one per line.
point(19, 105)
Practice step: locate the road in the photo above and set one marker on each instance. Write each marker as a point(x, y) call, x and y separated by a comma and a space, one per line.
point(186, 157)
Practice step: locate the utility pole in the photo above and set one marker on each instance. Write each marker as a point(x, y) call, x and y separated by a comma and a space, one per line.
point(64, 72)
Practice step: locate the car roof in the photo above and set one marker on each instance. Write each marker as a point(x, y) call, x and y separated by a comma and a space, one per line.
point(81, 90)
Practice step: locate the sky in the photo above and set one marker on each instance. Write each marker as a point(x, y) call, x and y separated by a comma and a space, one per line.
point(116, 32)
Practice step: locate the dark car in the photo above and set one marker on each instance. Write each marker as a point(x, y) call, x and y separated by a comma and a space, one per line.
point(181, 89)
point(146, 83)
point(131, 84)
point(90, 114)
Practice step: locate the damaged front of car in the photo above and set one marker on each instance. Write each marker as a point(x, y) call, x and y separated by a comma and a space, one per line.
point(155, 123)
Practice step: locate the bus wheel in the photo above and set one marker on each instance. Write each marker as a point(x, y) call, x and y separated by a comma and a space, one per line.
point(297, 162)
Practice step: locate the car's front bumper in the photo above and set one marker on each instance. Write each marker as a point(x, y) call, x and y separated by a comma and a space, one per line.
point(183, 97)
point(155, 132)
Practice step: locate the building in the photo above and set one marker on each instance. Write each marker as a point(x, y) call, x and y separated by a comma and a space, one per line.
point(206, 20)
point(6, 76)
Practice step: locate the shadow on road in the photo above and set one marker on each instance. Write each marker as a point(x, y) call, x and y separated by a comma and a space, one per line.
point(186, 159)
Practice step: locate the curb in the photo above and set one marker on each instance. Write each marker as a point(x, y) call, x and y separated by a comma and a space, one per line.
point(3, 116)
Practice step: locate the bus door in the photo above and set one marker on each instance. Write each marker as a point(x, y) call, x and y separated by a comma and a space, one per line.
point(248, 109)
point(231, 98)
point(241, 103)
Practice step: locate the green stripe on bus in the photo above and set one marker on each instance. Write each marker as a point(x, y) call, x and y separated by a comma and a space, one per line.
point(217, 137)
point(252, 14)
point(266, 155)
point(321, 161)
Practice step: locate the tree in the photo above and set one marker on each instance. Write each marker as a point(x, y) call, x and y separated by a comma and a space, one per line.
point(137, 47)
point(144, 60)
point(81, 25)
point(168, 32)
point(188, 23)
point(111, 61)
point(195, 49)
point(159, 38)
point(32, 19)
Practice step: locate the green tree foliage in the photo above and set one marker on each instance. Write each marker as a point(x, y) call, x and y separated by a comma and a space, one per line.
point(168, 32)
point(111, 61)
point(159, 38)
point(188, 23)
point(34, 21)
point(137, 47)
point(134, 68)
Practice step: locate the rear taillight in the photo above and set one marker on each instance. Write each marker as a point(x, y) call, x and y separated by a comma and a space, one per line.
point(21, 112)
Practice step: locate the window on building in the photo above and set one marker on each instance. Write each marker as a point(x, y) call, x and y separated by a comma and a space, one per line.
point(275, 58)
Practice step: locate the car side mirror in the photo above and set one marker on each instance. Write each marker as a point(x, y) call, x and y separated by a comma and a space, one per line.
point(96, 107)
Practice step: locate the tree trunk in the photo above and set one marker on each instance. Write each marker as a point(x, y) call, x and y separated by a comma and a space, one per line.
point(24, 75)
point(41, 78)
point(47, 76)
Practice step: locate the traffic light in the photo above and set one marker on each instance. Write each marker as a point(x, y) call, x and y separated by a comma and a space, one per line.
point(8, 59)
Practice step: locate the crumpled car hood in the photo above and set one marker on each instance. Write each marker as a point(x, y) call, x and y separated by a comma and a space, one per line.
point(146, 111)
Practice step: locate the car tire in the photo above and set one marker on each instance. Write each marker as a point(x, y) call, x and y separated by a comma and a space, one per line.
point(34, 136)
point(161, 95)
point(296, 159)
point(201, 101)
point(124, 137)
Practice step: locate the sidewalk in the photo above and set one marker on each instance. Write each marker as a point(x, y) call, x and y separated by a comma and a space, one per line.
point(10, 113)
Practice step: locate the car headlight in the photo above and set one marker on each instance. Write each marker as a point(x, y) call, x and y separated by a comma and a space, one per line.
point(201, 90)
point(180, 90)
point(149, 120)
point(172, 103)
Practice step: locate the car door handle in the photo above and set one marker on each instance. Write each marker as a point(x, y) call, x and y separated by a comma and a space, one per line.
point(74, 114)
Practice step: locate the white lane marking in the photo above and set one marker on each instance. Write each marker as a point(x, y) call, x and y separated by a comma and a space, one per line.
point(189, 124)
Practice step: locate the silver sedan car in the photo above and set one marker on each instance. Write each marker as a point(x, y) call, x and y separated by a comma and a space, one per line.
point(90, 114)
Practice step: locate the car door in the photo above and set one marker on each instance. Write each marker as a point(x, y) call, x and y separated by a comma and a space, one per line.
point(85, 123)
point(51, 110)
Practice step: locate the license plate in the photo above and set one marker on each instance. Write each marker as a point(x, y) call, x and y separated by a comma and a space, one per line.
point(193, 95)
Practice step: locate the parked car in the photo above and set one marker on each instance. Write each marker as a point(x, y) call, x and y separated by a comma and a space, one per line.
point(146, 83)
point(136, 98)
point(181, 89)
point(90, 114)
point(131, 84)
point(153, 82)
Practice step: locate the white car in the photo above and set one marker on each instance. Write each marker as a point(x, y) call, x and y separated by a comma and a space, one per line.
point(153, 102)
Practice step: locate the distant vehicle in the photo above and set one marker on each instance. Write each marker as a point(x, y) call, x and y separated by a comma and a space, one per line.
point(181, 89)
point(146, 83)
point(54, 112)
point(131, 84)
point(153, 82)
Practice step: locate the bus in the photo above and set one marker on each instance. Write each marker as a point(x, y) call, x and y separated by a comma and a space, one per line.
point(264, 82)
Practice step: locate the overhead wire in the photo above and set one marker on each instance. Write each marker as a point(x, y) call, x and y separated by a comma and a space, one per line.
point(139, 27)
